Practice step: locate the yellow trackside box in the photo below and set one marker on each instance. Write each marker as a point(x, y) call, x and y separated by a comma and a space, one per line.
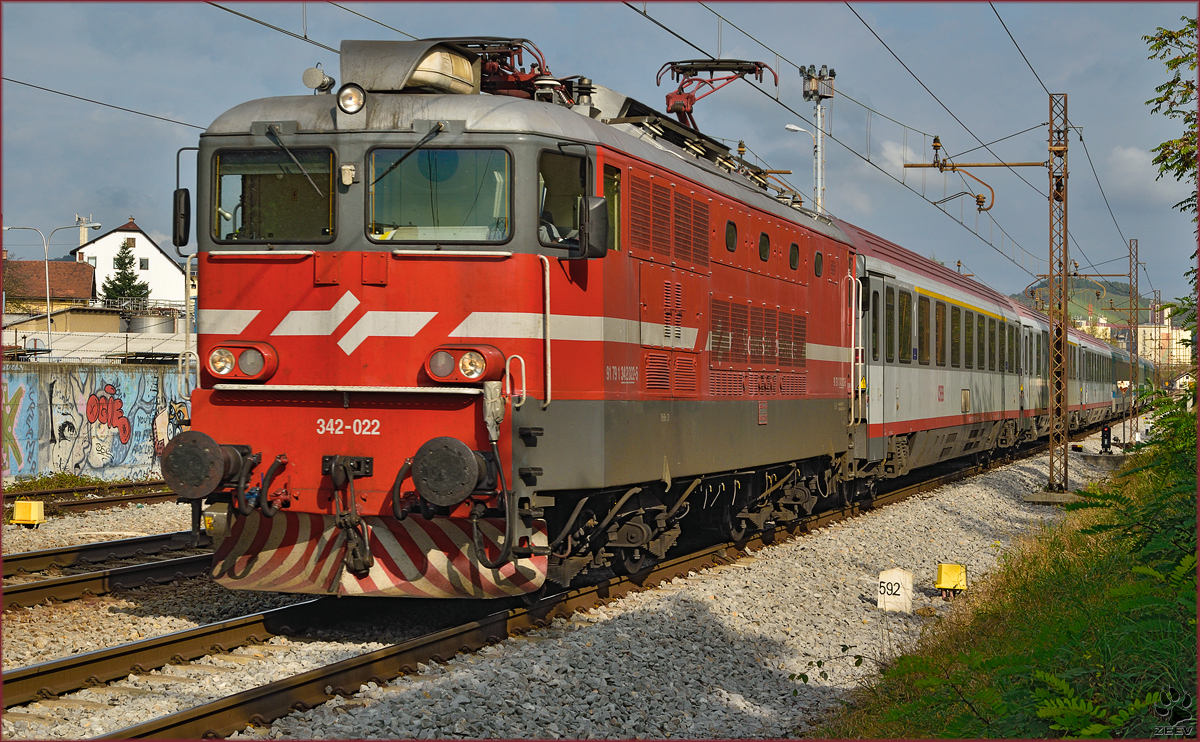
point(951, 577)
point(29, 512)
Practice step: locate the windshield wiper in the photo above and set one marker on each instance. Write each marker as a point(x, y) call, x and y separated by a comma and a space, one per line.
point(273, 130)
point(437, 129)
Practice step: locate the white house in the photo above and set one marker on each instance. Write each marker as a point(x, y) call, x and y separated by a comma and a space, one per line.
point(151, 263)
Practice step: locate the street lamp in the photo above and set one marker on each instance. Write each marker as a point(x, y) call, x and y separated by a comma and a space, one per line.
point(818, 202)
point(79, 222)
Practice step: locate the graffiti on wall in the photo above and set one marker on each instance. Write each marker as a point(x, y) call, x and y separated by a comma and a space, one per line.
point(99, 420)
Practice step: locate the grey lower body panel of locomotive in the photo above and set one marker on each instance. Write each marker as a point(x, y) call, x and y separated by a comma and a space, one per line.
point(584, 444)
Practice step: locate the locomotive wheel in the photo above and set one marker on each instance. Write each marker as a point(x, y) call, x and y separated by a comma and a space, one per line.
point(531, 599)
point(736, 528)
point(630, 561)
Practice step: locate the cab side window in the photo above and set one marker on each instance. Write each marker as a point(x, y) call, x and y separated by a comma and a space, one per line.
point(612, 197)
point(562, 181)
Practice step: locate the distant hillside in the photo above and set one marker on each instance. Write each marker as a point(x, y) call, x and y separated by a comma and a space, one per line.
point(1083, 293)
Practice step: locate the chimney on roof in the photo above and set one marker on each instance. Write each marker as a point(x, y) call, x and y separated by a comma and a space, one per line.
point(83, 228)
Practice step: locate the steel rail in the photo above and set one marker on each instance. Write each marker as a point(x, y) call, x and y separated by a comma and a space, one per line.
point(28, 562)
point(265, 703)
point(105, 581)
point(49, 679)
point(100, 503)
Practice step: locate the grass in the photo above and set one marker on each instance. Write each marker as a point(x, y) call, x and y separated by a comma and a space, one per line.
point(63, 480)
point(1086, 628)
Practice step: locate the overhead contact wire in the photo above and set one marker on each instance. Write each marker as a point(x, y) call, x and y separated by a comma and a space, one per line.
point(275, 28)
point(843, 144)
point(101, 103)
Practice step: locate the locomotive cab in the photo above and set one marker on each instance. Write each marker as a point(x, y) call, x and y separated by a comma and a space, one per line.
point(354, 248)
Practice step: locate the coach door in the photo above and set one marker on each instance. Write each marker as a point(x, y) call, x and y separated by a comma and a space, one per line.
point(879, 345)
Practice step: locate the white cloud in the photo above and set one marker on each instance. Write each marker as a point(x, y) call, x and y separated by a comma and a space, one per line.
point(895, 155)
point(1130, 174)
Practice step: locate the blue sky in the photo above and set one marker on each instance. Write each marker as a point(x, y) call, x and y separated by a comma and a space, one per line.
point(191, 61)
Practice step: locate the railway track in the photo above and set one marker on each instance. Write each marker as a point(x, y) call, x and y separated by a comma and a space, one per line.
point(142, 493)
point(21, 593)
point(268, 702)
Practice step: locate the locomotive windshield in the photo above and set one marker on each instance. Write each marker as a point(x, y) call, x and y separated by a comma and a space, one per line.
point(440, 195)
point(266, 196)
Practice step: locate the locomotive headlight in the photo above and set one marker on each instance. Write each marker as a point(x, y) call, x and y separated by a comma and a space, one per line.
point(251, 362)
point(441, 364)
point(471, 365)
point(220, 361)
point(350, 98)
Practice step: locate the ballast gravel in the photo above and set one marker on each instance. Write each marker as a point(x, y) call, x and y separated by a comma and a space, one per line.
point(72, 529)
point(716, 654)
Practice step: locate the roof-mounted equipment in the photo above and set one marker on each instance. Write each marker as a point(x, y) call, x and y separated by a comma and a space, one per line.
point(503, 72)
point(683, 101)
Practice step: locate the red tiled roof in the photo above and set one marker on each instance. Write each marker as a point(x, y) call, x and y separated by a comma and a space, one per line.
point(26, 279)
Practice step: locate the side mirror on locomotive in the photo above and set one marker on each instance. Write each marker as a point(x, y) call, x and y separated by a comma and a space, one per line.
point(594, 240)
point(182, 223)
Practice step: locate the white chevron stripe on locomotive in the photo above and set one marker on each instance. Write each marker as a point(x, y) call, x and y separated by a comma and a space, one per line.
point(224, 321)
point(384, 324)
point(319, 322)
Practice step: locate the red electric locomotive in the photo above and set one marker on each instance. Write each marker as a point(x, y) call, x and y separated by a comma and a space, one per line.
point(466, 327)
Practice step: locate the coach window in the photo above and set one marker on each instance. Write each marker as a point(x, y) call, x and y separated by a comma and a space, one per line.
point(267, 196)
point(991, 344)
point(889, 313)
point(955, 337)
point(906, 349)
point(730, 236)
point(939, 317)
point(969, 339)
point(1012, 350)
point(1000, 352)
point(981, 336)
point(562, 182)
point(923, 330)
point(794, 256)
point(612, 198)
point(764, 246)
point(818, 264)
point(874, 325)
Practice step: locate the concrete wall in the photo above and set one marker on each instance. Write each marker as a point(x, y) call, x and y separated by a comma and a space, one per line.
point(101, 420)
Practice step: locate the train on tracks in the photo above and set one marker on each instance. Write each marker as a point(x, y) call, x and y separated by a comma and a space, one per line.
point(467, 328)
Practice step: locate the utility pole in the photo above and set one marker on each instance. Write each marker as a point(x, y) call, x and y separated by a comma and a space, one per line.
point(1057, 285)
point(1056, 279)
point(818, 85)
point(1135, 302)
